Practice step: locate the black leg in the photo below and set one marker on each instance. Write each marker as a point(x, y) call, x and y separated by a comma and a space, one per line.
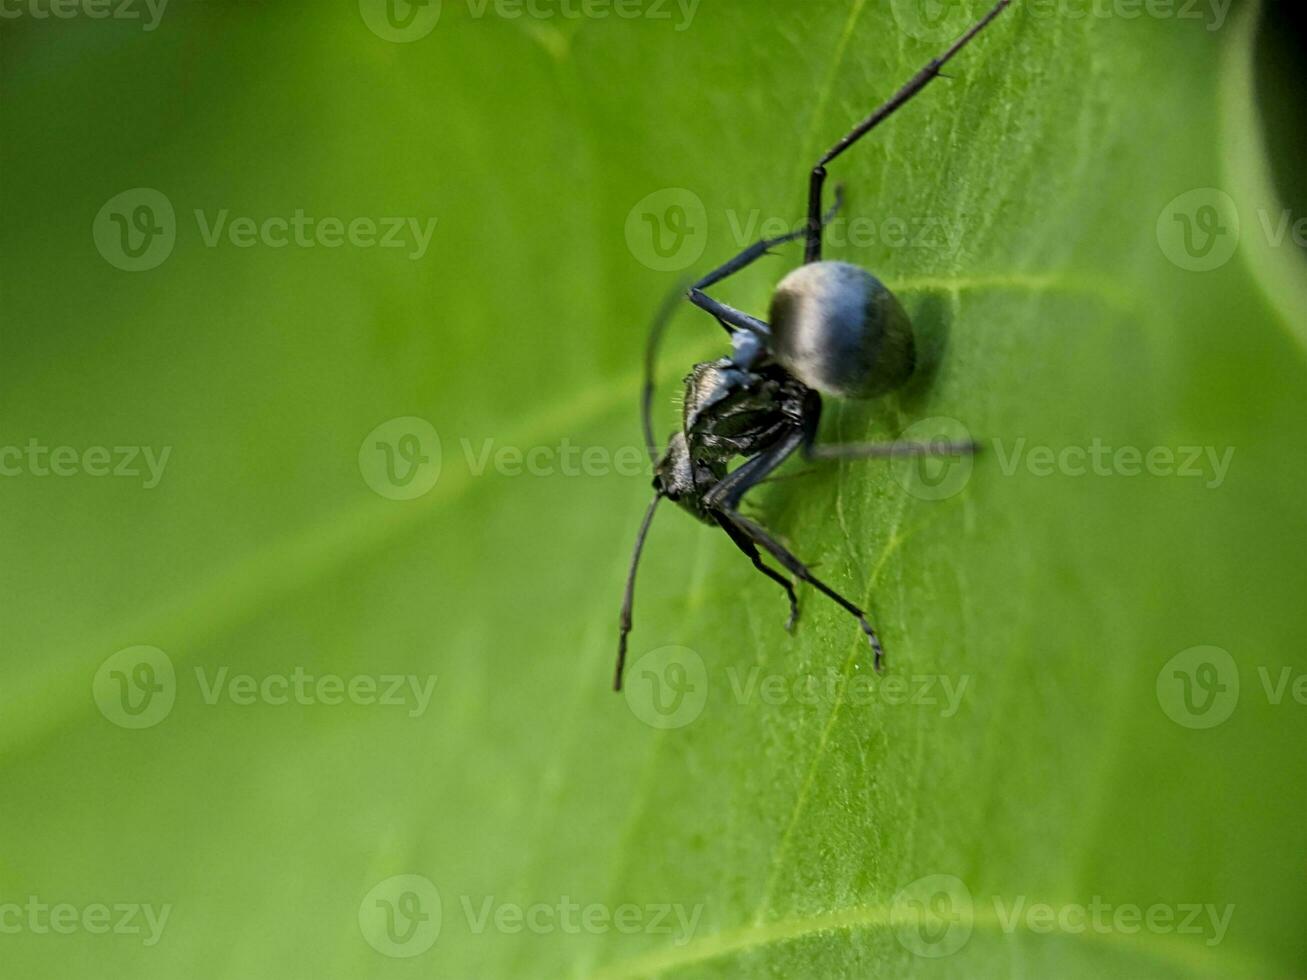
point(731, 490)
point(728, 316)
point(656, 331)
point(728, 493)
point(745, 544)
point(758, 249)
point(628, 596)
point(799, 570)
point(919, 81)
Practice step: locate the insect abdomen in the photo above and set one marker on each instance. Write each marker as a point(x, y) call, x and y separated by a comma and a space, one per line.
point(837, 328)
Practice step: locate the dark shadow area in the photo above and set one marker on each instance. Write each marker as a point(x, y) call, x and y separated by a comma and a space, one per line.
point(931, 322)
point(1281, 58)
point(931, 326)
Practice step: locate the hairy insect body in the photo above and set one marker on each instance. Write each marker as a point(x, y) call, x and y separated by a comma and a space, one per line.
point(681, 479)
point(730, 412)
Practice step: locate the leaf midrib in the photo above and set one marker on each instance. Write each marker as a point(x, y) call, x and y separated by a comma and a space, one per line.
point(1175, 952)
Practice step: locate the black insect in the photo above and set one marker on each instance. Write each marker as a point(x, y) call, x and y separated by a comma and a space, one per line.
point(834, 329)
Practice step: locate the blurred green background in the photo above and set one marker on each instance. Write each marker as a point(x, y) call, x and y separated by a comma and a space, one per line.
point(341, 501)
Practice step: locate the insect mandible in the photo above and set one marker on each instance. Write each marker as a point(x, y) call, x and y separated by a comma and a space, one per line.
point(834, 329)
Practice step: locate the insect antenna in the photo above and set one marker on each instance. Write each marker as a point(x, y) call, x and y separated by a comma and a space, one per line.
point(629, 595)
point(656, 329)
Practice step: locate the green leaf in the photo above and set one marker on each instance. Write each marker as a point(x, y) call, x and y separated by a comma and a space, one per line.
point(1030, 745)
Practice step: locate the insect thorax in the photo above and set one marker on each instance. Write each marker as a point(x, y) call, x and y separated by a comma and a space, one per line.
point(731, 412)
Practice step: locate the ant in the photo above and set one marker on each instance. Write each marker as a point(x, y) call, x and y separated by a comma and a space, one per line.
point(834, 329)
